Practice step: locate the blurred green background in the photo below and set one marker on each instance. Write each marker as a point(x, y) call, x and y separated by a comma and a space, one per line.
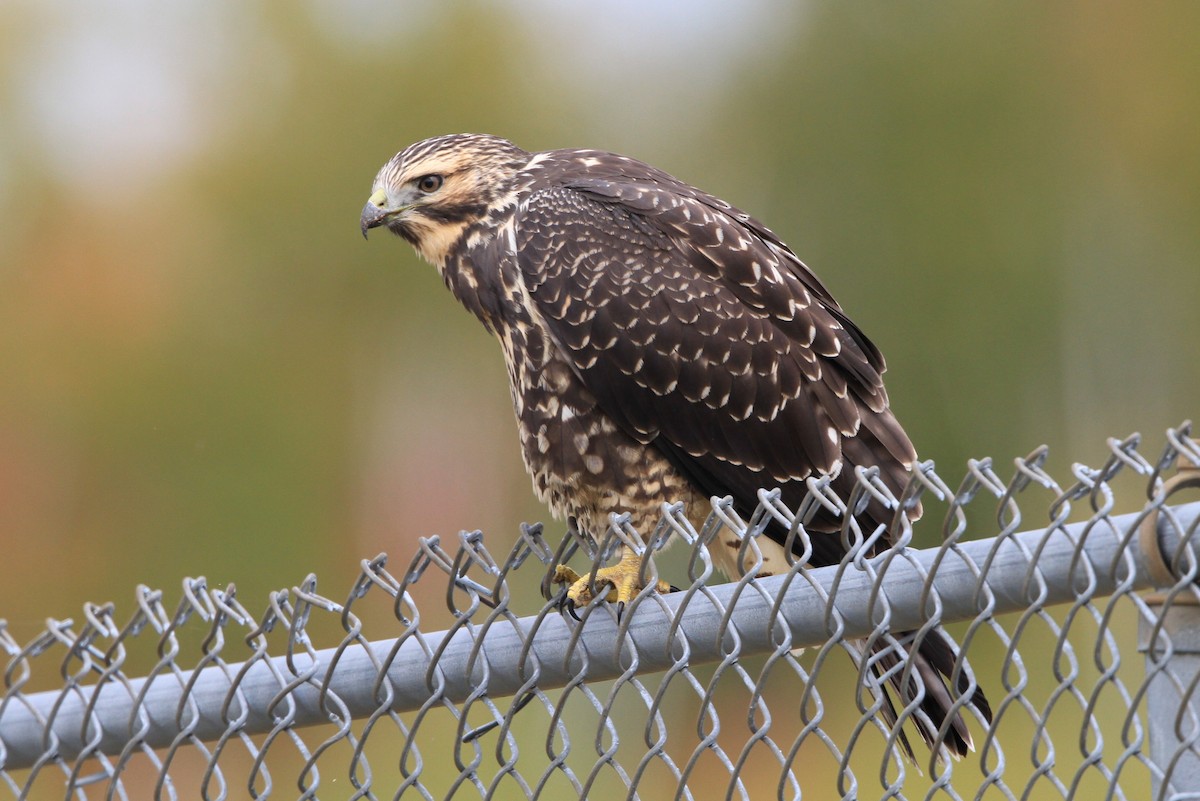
point(204, 370)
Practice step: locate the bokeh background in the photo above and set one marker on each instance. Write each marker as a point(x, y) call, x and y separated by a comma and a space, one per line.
point(204, 370)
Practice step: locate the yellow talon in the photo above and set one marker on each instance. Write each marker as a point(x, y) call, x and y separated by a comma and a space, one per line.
point(621, 580)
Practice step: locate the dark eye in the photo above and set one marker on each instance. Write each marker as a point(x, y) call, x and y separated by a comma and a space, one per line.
point(429, 183)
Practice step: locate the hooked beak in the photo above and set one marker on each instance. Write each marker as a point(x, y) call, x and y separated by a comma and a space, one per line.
point(373, 215)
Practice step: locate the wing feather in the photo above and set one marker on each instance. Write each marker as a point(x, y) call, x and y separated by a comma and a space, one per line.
point(701, 334)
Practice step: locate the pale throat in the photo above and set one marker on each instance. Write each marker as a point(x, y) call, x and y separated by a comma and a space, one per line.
point(435, 242)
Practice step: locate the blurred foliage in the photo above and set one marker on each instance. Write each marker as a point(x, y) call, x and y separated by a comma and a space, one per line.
point(204, 370)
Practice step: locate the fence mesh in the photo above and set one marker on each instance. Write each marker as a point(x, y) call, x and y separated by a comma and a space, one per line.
point(452, 677)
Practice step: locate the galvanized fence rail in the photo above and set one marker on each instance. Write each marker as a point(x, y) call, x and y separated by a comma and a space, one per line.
point(1083, 629)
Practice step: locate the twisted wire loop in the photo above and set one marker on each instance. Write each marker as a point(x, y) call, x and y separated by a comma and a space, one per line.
point(1074, 607)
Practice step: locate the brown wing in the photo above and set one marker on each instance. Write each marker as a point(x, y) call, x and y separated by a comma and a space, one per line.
point(701, 334)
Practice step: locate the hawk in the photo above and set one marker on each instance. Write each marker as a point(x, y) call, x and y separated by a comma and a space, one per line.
point(661, 345)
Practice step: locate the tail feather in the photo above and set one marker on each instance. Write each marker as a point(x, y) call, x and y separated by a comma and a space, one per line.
point(932, 667)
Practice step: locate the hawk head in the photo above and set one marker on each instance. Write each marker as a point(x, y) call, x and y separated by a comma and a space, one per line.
point(430, 192)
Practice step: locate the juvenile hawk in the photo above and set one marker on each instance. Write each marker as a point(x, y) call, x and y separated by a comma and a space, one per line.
point(661, 345)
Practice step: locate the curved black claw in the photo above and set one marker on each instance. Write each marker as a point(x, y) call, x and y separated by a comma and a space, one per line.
point(476, 733)
point(620, 610)
point(569, 605)
point(561, 600)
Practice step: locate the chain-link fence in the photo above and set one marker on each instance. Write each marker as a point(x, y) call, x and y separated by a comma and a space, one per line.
point(743, 689)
